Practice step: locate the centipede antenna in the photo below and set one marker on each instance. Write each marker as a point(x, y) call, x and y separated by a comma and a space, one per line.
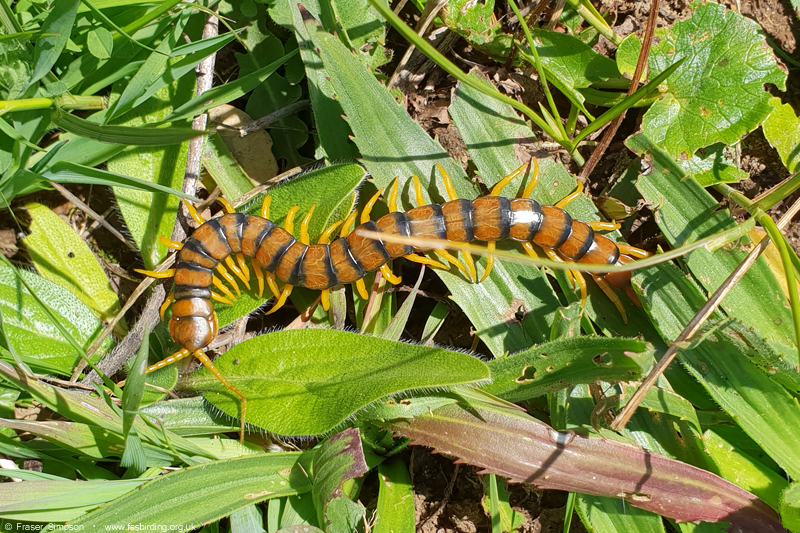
point(497, 190)
point(389, 275)
point(603, 226)
point(347, 226)
point(304, 238)
point(236, 270)
point(325, 238)
point(469, 262)
point(423, 260)
point(226, 205)
point(259, 270)
point(193, 213)
point(632, 251)
point(219, 298)
point(448, 183)
point(325, 299)
point(418, 190)
point(227, 277)
point(167, 301)
point(158, 274)
point(288, 223)
point(287, 290)
point(490, 246)
point(169, 243)
point(225, 290)
point(391, 202)
point(203, 358)
point(564, 202)
point(174, 358)
point(362, 289)
point(265, 203)
point(611, 295)
point(244, 268)
point(534, 180)
point(273, 286)
point(450, 258)
point(368, 207)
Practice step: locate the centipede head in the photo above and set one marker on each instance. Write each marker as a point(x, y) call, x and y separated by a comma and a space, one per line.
point(193, 332)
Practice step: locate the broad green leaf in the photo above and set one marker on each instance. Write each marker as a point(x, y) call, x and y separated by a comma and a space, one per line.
point(148, 215)
point(473, 21)
point(611, 515)
point(247, 520)
point(306, 382)
point(100, 43)
point(188, 416)
point(58, 24)
point(142, 136)
point(790, 507)
point(782, 130)
point(740, 468)
point(30, 330)
point(395, 508)
point(62, 256)
point(221, 164)
point(764, 409)
point(339, 460)
point(510, 443)
point(685, 212)
point(627, 56)
point(711, 165)
point(718, 96)
point(59, 500)
point(205, 492)
point(564, 363)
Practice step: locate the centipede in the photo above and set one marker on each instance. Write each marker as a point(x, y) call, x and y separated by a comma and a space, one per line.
point(228, 241)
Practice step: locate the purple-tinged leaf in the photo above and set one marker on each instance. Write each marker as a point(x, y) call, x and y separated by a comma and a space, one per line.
point(522, 449)
point(340, 459)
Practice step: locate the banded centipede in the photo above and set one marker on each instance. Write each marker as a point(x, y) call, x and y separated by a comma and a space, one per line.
point(275, 253)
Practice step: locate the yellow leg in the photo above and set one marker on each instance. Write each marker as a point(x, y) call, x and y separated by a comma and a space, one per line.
point(174, 358)
point(368, 207)
point(304, 238)
point(362, 289)
point(226, 205)
point(167, 301)
point(624, 249)
point(203, 358)
point(193, 213)
point(244, 268)
point(448, 183)
point(470, 264)
point(237, 271)
point(530, 250)
point(219, 298)
point(287, 290)
point(259, 270)
point(225, 290)
point(389, 275)
point(160, 274)
point(265, 203)
point(227, 277)
point(325, 299)
point(421, 259)
point(570, 197)
point(581, 281)
point(490, 246)
point(169, 243)
point(603, 226)
point(418, 190)
point(609, 292)
point(452, 259)
point(347, 226)
point(325, 238)
point(497, 190)
point(273, 286)
point(555, 257)
point(392, 200)
point(288, 223)
point(534, 180)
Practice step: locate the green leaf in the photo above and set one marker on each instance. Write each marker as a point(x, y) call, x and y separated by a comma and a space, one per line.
point(61, 256)
point(782, 130)
point(306, 382)
point(612, 515)
point(30, 330)
point(711, 165)
point(205, 492)
point(188, 416)
point(340, 459)
point(564, 363)
point(142, 136)
point(496, 502)
point(718, 96)
point(59, 23)
point(790, 507)
point(100, 43)
point(394, 512)
point(131, 400)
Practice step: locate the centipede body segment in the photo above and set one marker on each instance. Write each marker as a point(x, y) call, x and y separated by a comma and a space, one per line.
point(275, 253)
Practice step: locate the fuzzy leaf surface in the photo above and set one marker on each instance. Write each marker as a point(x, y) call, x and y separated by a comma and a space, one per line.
point(340, 459)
